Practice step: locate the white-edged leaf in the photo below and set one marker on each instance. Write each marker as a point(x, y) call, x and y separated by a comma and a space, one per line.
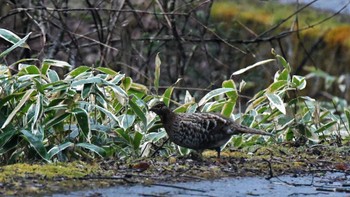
point(347, 114)
point(277, 102)
point(96, 80)
point(167, 95)
point(58, 148)
point(126, 120)
point(157, 72)
point(99, 150)
point(77, 71)
point(36, 143)
point(243, 70)
point(299, 82)
point(38, 109)
point(83, 121)
point(56, 63)
point(214, 93)
point(103, 110)
point(25, 97)
point(189, 98)
point(9, 36)
point(18, 44)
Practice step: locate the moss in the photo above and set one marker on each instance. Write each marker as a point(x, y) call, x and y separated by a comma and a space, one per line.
point(69, 170)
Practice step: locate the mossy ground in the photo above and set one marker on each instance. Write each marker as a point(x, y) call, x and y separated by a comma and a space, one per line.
point(37, 179)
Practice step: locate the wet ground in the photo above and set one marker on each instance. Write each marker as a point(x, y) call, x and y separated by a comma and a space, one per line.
point(291, 171)
point(329, 184)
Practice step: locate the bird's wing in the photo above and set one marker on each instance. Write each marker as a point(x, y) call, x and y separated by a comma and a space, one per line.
point(204, 122)
point(200, 130)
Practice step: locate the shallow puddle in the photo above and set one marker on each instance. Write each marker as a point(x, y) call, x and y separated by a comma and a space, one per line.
point(329, 184)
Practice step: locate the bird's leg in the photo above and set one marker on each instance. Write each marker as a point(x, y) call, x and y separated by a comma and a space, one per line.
point(218, 150)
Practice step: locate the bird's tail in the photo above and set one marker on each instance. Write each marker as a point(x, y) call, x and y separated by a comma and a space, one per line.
point(244, 129)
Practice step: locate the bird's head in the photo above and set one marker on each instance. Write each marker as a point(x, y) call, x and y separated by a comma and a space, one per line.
point(159, 108)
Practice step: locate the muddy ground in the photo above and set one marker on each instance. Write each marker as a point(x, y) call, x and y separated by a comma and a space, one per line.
point(257, 161)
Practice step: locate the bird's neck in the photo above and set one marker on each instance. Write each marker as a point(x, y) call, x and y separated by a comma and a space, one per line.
point(168, 119)
point(167, 116)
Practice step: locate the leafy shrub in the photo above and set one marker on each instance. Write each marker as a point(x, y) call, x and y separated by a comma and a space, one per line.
point(98, 111)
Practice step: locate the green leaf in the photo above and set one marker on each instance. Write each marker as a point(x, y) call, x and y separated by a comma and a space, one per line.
point(101, 100)
point(82, 118)
point(214, 93)
point(78, 71)
point(183, 151)
point(248, 120)
point(96, 80)
point(56, 120)
point(228, 108)
point(56, 63)
point(6, 136)
point(192, 108)
point(19, 43)
point(87, 90)
point(123, 134)
point(30, 69)
point(347, 114)
point(107, 71)
point(299, 82)
point(157, 73)
point(117, 79)
point(5, 99)
point(96, 149)
point(103, 110)
point(207, 107)
point(139, 88)
point(137, 140)
point(125, 120)
point(58, 148)
point(155, 136)
point(167, 95)
point(289, 135)
point(326, 126)
point(237, 142)
point(138, 111)
point(276, 86)
point(284, 63)
point(36, 144)
point(126, 84)
point(252, 66)
point(44, 68)
point(121, 95)
point(24, 99)
point(282, 76)
point(38, 108)
point(53, 76)
point(11, 37)
point(233, 95)
point(277, 102)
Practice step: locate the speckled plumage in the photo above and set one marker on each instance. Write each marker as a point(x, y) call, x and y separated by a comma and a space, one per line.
point(199, 131)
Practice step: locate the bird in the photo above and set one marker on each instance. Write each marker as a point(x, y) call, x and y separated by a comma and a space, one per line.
point(200, 131)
